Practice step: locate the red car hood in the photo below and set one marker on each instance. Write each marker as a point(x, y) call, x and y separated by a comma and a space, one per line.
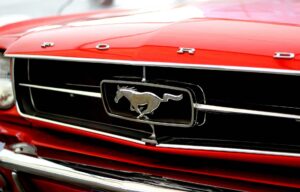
point(233, 33)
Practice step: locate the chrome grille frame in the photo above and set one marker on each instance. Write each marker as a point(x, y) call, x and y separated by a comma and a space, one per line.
point(201, 107)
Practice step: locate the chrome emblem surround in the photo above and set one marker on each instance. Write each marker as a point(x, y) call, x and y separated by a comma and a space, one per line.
point(144, 104)
point(183, 50)
point(140, 99)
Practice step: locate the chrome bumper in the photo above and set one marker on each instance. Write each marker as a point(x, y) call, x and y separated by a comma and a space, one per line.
point(38, 166)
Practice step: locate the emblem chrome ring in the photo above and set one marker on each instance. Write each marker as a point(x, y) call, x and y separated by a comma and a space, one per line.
point(191, 121)
point(102, 46)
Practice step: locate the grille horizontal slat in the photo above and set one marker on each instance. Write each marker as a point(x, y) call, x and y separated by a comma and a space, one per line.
point(71, 91)
point(200, 107)
point(221, 109)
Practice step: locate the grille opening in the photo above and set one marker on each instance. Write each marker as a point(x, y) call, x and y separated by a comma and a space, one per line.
point(256, 91)
point(71, 108)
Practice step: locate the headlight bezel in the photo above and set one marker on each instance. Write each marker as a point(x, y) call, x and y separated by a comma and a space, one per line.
point(7, 98)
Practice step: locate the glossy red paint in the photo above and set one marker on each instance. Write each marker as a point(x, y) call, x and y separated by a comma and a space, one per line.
point(225, 35)
point(232, 40)
point(222, 169)
point(9, 183)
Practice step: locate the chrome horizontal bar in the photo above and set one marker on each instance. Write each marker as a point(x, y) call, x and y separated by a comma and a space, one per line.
point(201, 66)
point(48, 169)
point(71, 91)
point(228, 150)
point(219, 109)
point(200, 107)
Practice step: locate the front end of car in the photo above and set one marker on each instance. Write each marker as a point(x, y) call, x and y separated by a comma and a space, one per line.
point(149, 101)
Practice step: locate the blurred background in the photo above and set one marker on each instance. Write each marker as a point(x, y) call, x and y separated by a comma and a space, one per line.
point(18, 10)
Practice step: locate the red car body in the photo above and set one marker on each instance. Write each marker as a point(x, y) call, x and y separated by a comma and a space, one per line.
point(227, 35)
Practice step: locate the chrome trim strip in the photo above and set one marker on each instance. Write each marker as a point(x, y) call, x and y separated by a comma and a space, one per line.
point(17, 182)
point(48, 169)
point(76, 92)
point(161, 64)
point(144, 77)
point(174, 146)
point(78, 127)
point(229, 150)
point(30, 90)
point(219, 109)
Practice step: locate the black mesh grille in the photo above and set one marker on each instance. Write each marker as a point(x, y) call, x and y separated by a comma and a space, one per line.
point(267, 92)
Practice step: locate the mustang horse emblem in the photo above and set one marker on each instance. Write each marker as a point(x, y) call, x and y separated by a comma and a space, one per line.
point(140, 99)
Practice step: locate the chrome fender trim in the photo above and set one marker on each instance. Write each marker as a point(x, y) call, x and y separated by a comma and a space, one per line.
point(51, 170)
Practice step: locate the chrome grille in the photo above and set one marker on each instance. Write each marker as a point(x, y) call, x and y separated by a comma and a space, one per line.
point(238, 104)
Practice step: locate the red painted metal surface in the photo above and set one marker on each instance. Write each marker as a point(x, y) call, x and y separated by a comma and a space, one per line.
point(222, 169)
point(232, 34)
point(233, 40)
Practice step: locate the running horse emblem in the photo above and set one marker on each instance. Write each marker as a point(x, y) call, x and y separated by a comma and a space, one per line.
point(138, 100)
